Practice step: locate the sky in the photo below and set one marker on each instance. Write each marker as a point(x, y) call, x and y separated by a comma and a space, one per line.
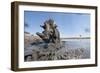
point(69, 24)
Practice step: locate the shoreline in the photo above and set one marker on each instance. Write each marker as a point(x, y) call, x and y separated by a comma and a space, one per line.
point(76, 38)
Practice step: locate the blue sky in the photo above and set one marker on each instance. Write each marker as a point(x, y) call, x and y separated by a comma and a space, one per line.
point(69, 24)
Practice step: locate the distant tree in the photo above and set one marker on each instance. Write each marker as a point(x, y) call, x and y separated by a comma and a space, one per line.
point(26, 25)
point(80, 35)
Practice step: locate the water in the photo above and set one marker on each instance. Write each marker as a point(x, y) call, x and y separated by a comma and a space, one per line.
point(78, 43)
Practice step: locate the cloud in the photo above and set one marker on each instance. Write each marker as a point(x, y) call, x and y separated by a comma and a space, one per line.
point(87, 30)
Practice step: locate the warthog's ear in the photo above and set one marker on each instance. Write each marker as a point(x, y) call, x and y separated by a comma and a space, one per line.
point(42, 26)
